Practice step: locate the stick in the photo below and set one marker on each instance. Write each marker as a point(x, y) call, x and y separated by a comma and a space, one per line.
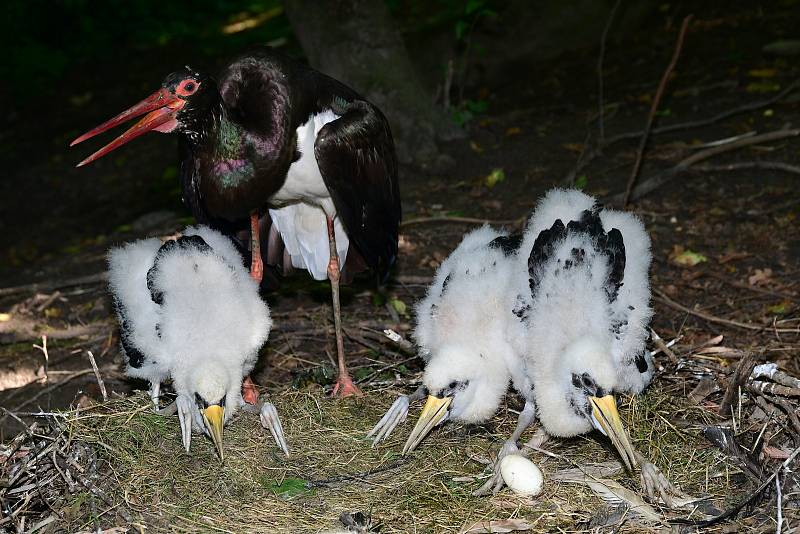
point(773, 389)
point(771, 371)
point(43, 348)
point(58, 284)
point(659, 179)
point(600, 59)
point(767, 165)
point(653, 108)
point(664, 299)
point(48, 390)
point(663, 346)
point(97, 375)
point(738, 379)
point(465, 220)
point(753, 106)
point(737, 508)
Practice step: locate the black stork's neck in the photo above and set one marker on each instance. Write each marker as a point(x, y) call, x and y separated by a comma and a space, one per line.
point(242, 145)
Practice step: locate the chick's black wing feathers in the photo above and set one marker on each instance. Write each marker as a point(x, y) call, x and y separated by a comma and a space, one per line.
point(610, 244)
point(133, 355)
point(186, 242)
point(509, 244)
point(543, 249)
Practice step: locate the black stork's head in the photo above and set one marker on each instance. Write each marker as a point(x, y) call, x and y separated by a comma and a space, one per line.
point(178, 106)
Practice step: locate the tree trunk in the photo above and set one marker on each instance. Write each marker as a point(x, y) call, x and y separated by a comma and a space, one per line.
point(356, 42)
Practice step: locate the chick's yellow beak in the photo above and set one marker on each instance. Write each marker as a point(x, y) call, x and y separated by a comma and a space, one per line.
point(433, 413)
point(214, 418)
point(606, 419)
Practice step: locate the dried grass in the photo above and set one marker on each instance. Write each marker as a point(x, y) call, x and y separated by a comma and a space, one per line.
point(146, 474)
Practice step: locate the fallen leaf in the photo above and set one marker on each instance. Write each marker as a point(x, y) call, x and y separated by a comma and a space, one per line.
point(784, 47)
point(763, 87)
point(686, 257)
point(514, 130)
point(581, 182)
point(475, 147)
point(775, 453)
point(574, 147)
point(762, 73)
point(732, 256)
point(503, 525)
point(760, 277)
point(779, 309)
point(494, 178)
point(399, 306)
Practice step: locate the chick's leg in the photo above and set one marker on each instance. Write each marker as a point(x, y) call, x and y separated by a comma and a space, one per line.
point(395, 415)
point(185, 417)
point(268, 416)
point(656, 485)
point(526, 418)
point(155, 391)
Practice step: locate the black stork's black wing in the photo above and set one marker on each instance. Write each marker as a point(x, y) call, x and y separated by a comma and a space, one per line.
point(356, 158)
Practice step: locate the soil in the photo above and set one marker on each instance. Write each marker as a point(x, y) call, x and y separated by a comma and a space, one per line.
point(58, 221)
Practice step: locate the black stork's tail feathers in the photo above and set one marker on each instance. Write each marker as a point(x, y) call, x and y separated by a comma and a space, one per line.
point(609, 244)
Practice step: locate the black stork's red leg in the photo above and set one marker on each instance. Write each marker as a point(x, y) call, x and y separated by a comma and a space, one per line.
point(249, 391)
point(256, 264)
point(344, 386)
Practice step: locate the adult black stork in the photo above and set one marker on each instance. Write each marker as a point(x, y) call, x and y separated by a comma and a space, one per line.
point(277, 139)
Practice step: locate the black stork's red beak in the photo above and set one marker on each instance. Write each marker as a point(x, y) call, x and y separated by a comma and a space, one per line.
point(161, 108)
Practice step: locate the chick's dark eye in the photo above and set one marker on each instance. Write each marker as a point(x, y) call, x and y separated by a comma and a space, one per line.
point(452, 385)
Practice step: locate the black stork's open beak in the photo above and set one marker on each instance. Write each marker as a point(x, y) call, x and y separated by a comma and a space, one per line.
point(161, 108)
point(605, 418)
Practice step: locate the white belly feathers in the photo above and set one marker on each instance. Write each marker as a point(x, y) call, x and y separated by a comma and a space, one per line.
point(302, 204)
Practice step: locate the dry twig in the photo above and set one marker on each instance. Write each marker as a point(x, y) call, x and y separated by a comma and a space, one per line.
point(97, 375)
point(664, 299)
point(659, 179)
point(600, 59)
point(654, 107)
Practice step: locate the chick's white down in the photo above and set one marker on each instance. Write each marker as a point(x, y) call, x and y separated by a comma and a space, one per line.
point(462, 331)
point(190, 312)
point(575, 326)
point(462, 325)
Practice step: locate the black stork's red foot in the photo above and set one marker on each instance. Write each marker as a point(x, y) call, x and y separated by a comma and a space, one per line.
point(249, 391)
point(344, 387)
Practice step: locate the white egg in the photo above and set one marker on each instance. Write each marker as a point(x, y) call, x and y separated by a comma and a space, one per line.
point(521, 475)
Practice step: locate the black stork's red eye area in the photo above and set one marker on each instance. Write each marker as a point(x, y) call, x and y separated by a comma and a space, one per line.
point(187, 87)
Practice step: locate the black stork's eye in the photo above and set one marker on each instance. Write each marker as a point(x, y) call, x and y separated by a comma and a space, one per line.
point(189, 87)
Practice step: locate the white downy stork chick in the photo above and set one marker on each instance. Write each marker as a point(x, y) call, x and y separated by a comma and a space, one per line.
point(462, 331)
point(190, 312)
point(588, 319)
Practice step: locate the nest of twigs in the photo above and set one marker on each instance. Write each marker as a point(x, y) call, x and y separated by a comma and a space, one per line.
point(118, 464)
